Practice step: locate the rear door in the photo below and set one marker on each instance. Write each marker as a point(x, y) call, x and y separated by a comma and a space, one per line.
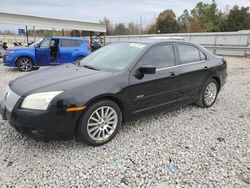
point(194, 68)
point(69, 50)
point(43, 52)
point(161, 88)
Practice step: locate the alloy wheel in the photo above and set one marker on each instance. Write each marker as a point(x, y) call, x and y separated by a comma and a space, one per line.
point(210, 93)
point(25, 64)
point(102, 123)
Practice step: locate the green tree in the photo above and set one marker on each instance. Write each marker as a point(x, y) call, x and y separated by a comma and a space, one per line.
point(209, 16)
point(166, 22)
point(151, 29)
point(133, 29)
point(238, 19)
point(185, 21)
point(120, 29)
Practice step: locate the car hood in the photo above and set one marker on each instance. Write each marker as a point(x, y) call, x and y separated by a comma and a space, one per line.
point(60, 78)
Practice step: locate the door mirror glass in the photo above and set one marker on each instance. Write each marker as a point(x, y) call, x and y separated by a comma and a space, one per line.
point(148, 69)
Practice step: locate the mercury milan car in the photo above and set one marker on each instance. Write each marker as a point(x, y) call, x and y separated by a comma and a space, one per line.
point(92, 98)
point(50, 51)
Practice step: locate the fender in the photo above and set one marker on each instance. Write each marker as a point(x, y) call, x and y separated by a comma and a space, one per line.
point(26, 54)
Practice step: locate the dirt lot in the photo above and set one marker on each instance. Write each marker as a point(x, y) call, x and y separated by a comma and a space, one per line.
point(188, 147)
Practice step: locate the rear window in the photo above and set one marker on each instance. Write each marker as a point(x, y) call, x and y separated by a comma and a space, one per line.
point(188, 54)
point(70, 43)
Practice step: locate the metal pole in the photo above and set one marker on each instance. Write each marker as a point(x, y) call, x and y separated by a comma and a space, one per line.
point(27, 35)
point(104, 34)
point(34, 33)
point(215, 43)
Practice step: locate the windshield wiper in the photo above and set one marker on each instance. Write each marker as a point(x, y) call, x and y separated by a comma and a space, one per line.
point(90, 67)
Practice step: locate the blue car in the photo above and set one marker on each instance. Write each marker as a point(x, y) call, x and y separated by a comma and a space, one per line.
point(50, 51)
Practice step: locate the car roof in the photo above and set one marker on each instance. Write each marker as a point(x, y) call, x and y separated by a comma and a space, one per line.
point(154, 40)
point(68, 38)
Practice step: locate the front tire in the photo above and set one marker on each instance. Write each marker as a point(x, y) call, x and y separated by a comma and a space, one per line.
point(24, 64)
point(100, 123)
point(208, 94)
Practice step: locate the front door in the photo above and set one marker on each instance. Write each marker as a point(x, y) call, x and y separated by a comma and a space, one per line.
point(43, 52)
point(161, 88)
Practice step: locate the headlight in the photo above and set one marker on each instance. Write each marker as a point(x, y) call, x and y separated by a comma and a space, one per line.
point(39, 101)
point(11, 51)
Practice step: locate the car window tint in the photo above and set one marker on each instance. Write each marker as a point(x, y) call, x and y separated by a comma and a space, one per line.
point(70, 43)
point(160, 56)
point(188, 54)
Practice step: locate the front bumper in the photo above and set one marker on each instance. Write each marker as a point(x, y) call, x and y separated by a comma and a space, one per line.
point(41, 125)
point(9, 60)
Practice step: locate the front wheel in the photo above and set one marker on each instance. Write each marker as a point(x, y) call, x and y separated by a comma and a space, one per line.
point(208, 94)
point(100, 123)
point(24, 64)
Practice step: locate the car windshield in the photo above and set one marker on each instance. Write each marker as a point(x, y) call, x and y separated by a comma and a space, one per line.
point(35, 43)
point(114, 57)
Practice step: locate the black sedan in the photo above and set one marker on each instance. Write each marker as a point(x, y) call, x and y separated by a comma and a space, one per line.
point(90, 99)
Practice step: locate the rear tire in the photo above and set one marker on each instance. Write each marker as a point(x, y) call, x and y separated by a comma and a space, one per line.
point(208, 94)
point(100, 123)
point(36, 68)
point(79, 58)
point(24, 64)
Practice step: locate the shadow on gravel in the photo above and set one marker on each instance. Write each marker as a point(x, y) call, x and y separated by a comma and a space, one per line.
point(75, 144)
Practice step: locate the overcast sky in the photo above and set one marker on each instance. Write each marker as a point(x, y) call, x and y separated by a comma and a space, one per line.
point(94, 10)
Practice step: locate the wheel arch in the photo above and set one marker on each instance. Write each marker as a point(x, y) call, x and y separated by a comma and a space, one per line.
point(111, 98)
point(27, 56)
point(79, 55)
point(217, 79)
point(105, 97)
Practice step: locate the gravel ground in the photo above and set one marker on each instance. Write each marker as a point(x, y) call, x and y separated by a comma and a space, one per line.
point(188, 147)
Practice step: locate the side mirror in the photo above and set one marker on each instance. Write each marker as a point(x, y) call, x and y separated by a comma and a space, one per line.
point(37, 45)
point(148, 69)
point(145, 69)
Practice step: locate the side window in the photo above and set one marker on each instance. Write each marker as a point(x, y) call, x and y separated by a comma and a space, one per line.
point(160, 56)
point(45, 43)
point(188, 54)
point(70, 43)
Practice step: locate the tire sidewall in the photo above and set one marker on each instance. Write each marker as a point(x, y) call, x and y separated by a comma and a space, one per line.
point(18, 62)
point(82, 127)
point(204, 90)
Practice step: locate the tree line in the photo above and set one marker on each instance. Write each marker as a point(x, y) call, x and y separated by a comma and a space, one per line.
point(204, 17)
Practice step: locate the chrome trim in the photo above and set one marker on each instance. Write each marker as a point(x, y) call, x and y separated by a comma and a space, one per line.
point(180, 65)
